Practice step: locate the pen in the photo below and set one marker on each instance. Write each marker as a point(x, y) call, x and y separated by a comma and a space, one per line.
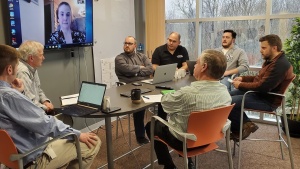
point(146, 97)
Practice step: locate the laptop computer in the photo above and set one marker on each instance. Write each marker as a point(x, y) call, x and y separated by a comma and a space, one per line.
point(162, 74)
point(90, 100)
point(191, 66)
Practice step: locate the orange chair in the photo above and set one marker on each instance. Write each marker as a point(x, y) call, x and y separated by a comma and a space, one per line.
point(11, 158)
point(204, 128)
point(281, 139)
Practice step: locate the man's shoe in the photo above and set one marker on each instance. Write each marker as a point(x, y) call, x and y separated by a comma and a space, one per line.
point(248, 128)
point(142, 140)
point(191, 165)
point(234, 136)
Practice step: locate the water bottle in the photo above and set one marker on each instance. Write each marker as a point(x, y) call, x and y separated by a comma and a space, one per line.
point(140, 47)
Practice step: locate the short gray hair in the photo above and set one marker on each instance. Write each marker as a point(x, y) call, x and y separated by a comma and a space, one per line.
point(28, 48)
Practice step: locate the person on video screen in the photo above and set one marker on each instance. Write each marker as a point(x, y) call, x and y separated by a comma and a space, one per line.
point(65, 34)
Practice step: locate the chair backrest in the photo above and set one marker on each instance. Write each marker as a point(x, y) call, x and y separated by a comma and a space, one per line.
point(207, 125)
point(285, 84)
point(7, 148)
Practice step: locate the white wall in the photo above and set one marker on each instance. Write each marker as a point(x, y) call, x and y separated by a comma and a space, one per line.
point(113, 21)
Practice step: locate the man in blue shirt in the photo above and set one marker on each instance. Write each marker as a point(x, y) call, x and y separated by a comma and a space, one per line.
point(29, 126)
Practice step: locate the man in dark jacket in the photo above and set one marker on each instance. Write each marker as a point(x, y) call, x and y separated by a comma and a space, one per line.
point(274, 76)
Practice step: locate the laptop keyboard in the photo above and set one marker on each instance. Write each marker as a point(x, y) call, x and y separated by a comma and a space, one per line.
point(76, 110)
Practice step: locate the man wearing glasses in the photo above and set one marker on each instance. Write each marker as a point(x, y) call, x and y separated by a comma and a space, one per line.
point(131, 66)
point(171, 52)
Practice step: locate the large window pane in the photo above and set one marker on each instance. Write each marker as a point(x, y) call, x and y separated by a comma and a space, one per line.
point(188, 37)
point(248, 34)
point(180, 9)
point(282, 27)
point(223, 8)
point(285, 6)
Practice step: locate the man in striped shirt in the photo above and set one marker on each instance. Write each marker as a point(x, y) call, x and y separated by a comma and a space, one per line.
point(205, 93)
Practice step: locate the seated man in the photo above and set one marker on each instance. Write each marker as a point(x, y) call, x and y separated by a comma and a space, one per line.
point(205, 93)
point(171, 52)
point(131, 66)
point(271, 78)
point(237, 60)
point(32, 56)
point(29, 126)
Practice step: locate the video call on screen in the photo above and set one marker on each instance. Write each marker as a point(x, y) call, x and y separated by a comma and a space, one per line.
point(37, 20)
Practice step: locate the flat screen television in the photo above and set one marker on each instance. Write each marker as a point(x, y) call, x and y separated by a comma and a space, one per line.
point(54, 23)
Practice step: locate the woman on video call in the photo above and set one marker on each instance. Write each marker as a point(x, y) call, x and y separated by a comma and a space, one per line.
point(65, 35)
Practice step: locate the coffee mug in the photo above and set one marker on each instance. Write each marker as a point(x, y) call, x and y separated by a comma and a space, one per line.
point(136, 95)
point(106, 103)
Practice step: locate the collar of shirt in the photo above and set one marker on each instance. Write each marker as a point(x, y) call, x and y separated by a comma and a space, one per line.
point(31, 69)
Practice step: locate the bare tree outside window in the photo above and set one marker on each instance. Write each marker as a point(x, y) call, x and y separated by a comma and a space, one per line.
point(217, 15)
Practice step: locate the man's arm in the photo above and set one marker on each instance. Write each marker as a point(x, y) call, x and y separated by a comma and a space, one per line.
point(155, 59)
point(185, 58)
point(124, 68)
point(24, 76)
point(184, 66)
point(243, 62)
point(147, 70)
point(42, 96)
point(172, 102)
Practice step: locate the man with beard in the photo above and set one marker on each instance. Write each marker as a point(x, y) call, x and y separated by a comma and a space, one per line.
point(273, 77)
point(237, 60)
point(131, 66)
point(171, 52)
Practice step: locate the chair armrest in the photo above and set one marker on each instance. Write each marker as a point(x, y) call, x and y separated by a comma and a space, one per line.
point(226, 126)
point(270, 93)
point(15, 157)
point(189, 136)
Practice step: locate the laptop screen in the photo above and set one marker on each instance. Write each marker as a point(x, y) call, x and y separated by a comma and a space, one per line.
point(91, 94)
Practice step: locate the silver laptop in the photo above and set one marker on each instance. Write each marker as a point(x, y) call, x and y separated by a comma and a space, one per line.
point(162, 74)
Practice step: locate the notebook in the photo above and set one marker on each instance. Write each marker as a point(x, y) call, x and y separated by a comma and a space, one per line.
point(191, 66)
point(162, 74)
point(90, 100)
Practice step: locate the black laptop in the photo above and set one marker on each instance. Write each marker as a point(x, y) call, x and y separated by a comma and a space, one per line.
point(90, 101)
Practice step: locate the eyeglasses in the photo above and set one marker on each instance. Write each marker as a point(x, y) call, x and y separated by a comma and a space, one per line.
point(127, 43)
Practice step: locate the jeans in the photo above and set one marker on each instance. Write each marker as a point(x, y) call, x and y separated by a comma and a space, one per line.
point(224, 81)
point(252, 101)
point(138, 120)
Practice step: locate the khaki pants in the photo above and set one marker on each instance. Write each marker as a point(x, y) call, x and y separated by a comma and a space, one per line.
point(62, 154)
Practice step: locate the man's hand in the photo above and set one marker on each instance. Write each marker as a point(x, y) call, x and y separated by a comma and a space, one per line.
point(141, 67)
point(18, 85)
point(236, 84)
point(89, 139)
point(238, 79)
point(48, 105)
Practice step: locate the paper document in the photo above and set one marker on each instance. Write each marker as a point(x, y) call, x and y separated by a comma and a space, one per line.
point(152, 98)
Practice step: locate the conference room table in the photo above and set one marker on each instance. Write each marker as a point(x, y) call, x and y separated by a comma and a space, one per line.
point(127, 107)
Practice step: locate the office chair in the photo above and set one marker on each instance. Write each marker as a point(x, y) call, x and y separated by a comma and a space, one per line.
point(11, 158)
point(281, 139)
point(203, 128)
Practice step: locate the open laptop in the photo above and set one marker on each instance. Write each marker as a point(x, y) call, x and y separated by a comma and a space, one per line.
point(162, 74)
point(90, 100)
point(191, 66)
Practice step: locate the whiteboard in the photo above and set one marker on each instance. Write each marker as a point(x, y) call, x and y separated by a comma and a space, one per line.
point(113, 21)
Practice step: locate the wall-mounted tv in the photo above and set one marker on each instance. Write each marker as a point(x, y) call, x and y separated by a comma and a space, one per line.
point(54, 23)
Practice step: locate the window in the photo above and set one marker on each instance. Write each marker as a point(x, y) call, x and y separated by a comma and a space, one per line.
point(201, 24)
